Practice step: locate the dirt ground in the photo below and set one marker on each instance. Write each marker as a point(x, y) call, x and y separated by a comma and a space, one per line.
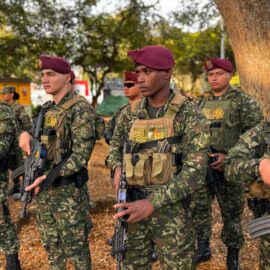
point(33, 256)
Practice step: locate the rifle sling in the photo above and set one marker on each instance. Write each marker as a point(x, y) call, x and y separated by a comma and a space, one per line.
point(53, 174)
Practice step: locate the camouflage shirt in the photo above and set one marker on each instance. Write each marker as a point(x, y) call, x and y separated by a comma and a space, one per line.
point(243, 159)
point(110, 126)
point(7, 129)
point(191, 125)
point(245, 111)
point(80, 123)
point(22, 119)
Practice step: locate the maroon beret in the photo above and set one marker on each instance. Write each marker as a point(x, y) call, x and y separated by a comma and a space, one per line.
point(55, 63)
point(130, 76)
point(155, 57)
point(213, 63)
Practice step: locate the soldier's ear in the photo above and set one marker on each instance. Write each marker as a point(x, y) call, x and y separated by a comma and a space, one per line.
point(168, 74)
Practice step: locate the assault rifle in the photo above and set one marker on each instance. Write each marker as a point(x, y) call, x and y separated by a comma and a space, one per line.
point(119, 239)
point(34, 165)
point(213, 177)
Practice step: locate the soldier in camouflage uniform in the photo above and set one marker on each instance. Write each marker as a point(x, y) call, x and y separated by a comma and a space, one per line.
point(22, 122)
point(132, 92)
point(163, 175)
point(63, 210)
point(230, 113)
point(248, 163)
point(8, 236)
point(22, 119)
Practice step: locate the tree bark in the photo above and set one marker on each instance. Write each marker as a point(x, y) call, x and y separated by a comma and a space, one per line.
point(248, 26)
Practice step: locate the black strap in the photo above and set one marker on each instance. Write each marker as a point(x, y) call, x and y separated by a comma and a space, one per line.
point(134, 147)
point(53, 174)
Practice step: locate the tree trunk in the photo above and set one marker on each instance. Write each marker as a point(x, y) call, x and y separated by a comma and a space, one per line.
point(248, 26)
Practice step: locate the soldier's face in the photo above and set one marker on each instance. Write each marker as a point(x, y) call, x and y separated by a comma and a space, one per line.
point(130, 91)
point(54, 82)
point(8, 97)
point(219, 79)
point(152, 81)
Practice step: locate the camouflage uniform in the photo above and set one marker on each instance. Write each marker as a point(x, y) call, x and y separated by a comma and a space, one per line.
point(242, 114)
point(63, 210)
point(170, 225)
point(22, 119)
point(110, 126)
point(8, 236)
point(242, 164)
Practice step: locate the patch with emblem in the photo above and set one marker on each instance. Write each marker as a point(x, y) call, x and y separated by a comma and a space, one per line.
point(149, 134)
point(50, 121)
point(213, 114)
point(209, 64)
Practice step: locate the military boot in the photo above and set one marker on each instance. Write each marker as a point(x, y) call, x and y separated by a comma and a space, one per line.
point(13, 262)
point(233, 259)
point(203, 253)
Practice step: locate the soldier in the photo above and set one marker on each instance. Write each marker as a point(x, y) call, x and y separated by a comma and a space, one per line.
point(248, 163)
point(8, 236)
point(22, 119)
point(132, 92)
point(230, 113)
point(22, 122)
point(165, 163)
point(63, 210)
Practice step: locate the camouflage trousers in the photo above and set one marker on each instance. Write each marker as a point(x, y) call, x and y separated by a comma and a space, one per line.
point(171, 230)
point(8, 237)
point(64, 224)
point(231, 206)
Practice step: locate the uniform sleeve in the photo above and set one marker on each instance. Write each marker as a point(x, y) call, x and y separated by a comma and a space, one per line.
point(241, 164)
point(251, 113)
point(24, 120)
point(83, 139)
point(192, 175)
point(119, 136)
point(7, 131)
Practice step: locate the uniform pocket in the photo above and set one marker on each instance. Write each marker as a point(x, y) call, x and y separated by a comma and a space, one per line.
point(162, 168)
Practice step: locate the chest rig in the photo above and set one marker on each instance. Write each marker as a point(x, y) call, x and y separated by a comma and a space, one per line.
point(224, 134)
point(54, 135)
point(153, 164)
point(257, 188)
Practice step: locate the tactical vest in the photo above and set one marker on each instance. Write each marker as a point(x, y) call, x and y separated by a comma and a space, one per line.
point(223, 134)
point(53, 132)
point(153, 166)
point(257, 188)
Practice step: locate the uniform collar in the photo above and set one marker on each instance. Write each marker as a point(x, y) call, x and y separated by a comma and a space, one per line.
point(142, 111)
point(67, 97)
point(229, 93)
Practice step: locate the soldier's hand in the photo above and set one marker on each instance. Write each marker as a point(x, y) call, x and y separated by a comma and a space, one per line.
point(24, 142)
point(264, 169)
point(219, 163)
point(36, 184)
point(116, 178)
point(136, 211)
